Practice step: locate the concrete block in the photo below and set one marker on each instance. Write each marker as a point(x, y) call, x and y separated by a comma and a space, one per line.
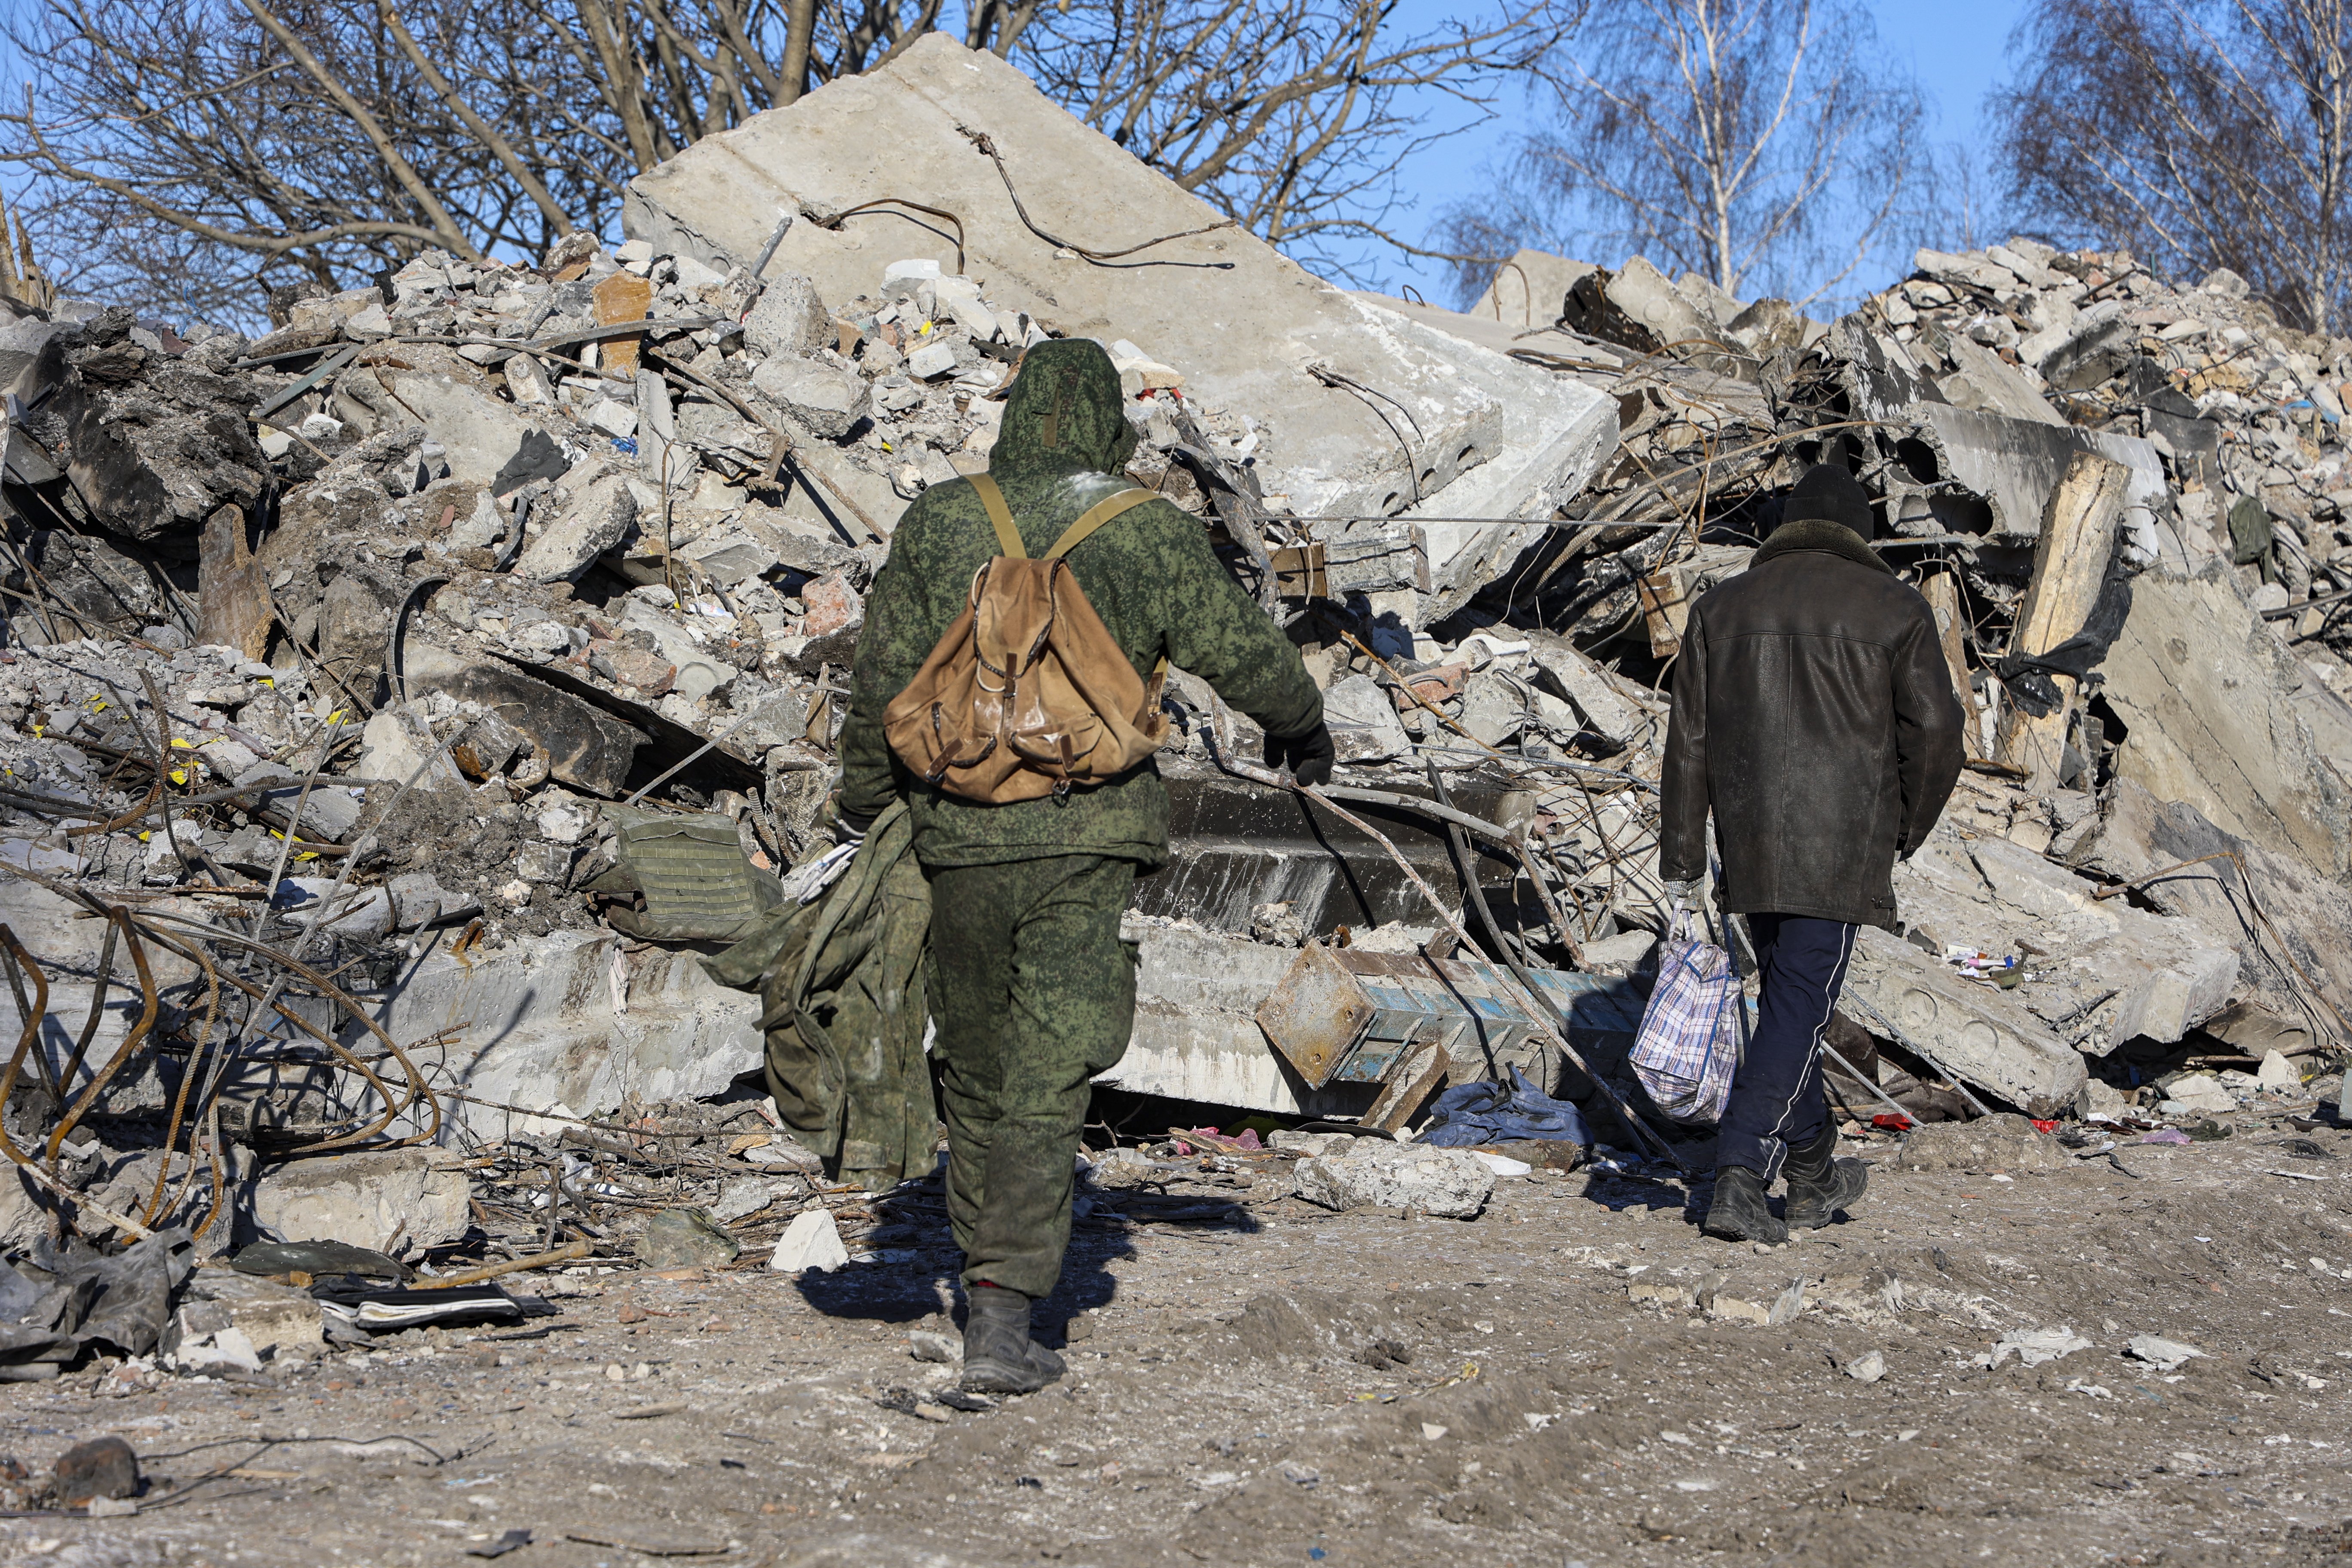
point(1530, 289)
point(1363, 722)
point(1969, 1030)
point(791, 320)
point(485, 440)
point(563, 546)
point(536, 1027)
point(274, 1319)
point(2011, 464)
point(931, 361)
point(398, 744)
point(2136, 836)
point(1444, 1183)
point(366, 1198)
point(824, 397)
point(812, 1241)
point(1243, 339)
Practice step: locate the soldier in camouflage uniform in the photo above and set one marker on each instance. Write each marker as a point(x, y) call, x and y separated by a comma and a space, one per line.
point(1031, 989)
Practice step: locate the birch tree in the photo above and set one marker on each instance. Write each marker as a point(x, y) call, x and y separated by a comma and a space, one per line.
point(2197, 135)
point(1762, 144)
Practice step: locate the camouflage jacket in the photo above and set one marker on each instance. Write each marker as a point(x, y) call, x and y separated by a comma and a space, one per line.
point(1150, 575)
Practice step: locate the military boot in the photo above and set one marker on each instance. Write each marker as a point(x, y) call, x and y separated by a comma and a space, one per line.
point(999, 1357)
point(1819, 1184)
point(1739, 1211)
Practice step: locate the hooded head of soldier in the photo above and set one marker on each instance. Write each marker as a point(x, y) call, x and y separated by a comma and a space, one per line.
point(1826, 492)
point(1064, 414)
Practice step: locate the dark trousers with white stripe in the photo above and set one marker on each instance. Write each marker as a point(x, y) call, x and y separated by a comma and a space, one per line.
point(1775, 1098)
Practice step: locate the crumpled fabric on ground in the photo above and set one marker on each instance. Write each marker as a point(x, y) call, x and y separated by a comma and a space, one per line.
point(1472, 1113)
point(59, 1300)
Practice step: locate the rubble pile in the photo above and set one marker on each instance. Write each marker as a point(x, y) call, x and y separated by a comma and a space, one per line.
point(397, 707)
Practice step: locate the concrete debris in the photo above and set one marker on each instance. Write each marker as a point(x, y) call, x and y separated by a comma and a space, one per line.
point(408, 1199)
point(2033, 1346)
point(2005, 1143)
point(1444, 1183)
point(2160, 1353)
point(378, 663)
point(811, 1241)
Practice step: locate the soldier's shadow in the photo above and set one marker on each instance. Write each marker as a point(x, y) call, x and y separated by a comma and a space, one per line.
point(914, 1270)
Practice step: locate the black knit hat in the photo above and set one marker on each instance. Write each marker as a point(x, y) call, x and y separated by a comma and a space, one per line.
point(1827, 493)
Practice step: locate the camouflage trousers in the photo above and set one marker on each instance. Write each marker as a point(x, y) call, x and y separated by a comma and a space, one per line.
point(1032, 995)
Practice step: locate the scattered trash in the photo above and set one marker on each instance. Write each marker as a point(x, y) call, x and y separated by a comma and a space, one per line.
point(1868, 1367)
point(1472, 1113)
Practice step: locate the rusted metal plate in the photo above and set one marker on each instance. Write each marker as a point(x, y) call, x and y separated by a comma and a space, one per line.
point(1316, 1015)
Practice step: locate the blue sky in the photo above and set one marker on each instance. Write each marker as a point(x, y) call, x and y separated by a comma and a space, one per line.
point(1958, 51)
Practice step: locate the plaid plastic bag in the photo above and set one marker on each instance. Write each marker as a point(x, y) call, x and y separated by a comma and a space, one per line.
point(1689, 1044)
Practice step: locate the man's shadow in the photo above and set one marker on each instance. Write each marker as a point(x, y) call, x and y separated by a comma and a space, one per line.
point(897, 1289)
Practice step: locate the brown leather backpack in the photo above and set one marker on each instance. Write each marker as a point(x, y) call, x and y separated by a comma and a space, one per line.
point(1027, 693)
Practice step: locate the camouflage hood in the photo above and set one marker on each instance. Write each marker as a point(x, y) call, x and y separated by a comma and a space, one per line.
point(1064, 413)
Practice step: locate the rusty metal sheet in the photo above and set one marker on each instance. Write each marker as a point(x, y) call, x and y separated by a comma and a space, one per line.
point(1314, 1015)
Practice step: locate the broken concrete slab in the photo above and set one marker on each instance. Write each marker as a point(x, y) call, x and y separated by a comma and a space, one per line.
point(563, 543)
point(1963, 1027)
point(2218, 714)
point(1443, 1183)
point(2010, 465)
point(2281, 913)
point(1527, 434)
point(1363, 722)
point(535, 1025)
point(485, 441)
point(1196, 1033)
point(584, 747)
point(827, 398)
point(1530, 289)
point(410, 1199)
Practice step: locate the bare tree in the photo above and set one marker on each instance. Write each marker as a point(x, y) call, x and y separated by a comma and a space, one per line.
point(185, 151)
point(1291, 116)
point(2197, 134)
point(1760, 143)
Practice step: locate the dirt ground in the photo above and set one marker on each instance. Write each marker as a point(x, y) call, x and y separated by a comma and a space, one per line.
point(1292, 1386)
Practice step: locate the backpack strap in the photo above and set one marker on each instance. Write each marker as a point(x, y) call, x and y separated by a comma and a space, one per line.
point(1101, 513)
point(1000, 517)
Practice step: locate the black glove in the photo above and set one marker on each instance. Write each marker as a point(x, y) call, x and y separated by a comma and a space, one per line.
point(848, 828)
point(1309, 757)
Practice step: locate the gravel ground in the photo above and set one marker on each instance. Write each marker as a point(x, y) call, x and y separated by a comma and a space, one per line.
point(1294, 1387)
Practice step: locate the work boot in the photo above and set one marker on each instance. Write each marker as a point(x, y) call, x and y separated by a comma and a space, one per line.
point(1820, 1184)
point(998, 1355)
point(1739, 1211)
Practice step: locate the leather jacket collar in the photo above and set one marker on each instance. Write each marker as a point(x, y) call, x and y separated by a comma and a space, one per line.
point(1816, 533)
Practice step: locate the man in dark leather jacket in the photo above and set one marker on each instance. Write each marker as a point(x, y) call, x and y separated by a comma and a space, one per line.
point(1814, 714)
